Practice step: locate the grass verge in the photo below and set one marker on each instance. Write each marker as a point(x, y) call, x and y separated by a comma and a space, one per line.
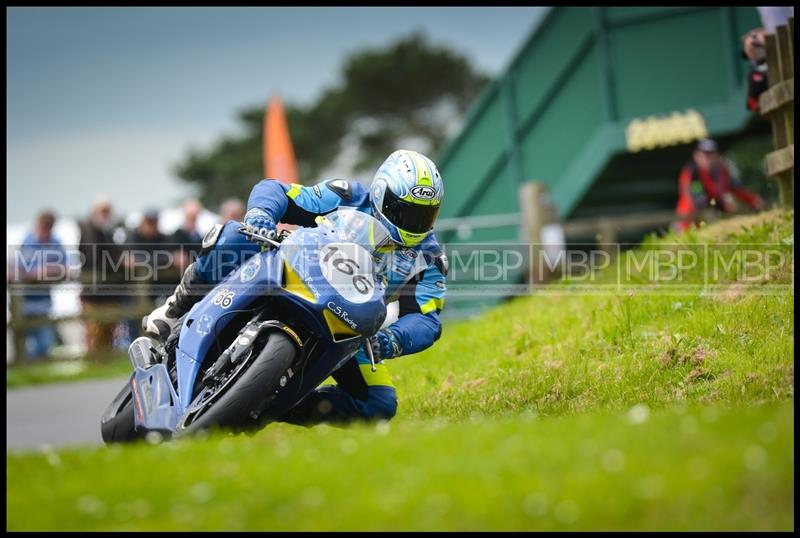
point(665, 409)
point(698, 468)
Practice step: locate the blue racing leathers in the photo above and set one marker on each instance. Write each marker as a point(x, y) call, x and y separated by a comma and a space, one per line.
point(416, 279)
point(417, 270)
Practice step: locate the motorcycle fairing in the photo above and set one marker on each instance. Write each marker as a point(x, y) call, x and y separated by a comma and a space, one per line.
point(155, 403)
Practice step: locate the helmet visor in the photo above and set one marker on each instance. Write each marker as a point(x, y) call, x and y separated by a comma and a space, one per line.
point(407, 216)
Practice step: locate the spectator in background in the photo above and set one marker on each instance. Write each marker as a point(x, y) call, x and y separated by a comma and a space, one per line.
point(41, 262)
point(186, 239)
point(150, 255)
point(102, 268)
point(754, 49)
point(231, 209)
point(708, 180)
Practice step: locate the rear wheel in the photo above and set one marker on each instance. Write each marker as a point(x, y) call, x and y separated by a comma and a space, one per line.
point(117, 424)
point(229, 404)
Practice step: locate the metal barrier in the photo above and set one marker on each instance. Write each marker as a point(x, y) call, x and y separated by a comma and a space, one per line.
point(537, 211)
point(464, 226)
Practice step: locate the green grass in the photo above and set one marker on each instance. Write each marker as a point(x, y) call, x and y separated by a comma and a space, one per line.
point(564, 410)
point(566, 351)
point(116, 364)
point(697, 468)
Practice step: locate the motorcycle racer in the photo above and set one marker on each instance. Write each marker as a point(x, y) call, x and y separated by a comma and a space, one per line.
point(405, 196)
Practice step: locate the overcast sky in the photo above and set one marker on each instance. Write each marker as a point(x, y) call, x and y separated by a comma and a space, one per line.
point(110, 99)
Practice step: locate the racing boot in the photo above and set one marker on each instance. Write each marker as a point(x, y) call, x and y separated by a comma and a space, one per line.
point(164, 319)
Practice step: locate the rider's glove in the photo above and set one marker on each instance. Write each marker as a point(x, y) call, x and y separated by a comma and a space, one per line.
point(385, 345)
point(258, 221)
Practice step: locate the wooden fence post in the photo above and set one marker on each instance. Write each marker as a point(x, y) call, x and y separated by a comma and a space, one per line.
point(536, 211)
point(777, 104)
point(17, 327)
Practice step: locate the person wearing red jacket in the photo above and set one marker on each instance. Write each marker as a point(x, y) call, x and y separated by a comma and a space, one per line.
point(708, 180)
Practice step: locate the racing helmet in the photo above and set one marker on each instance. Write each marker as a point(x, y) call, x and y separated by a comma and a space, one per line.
point(406, 194)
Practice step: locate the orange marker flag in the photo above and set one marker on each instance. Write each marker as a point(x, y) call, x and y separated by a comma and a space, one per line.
point(279, 158)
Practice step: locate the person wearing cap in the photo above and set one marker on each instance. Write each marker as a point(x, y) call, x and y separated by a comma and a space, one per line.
point(709, 180)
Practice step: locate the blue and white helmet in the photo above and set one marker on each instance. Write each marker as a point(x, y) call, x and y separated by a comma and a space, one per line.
point(406, 195)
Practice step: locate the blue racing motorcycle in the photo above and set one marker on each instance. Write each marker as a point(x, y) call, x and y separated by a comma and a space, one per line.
point(264, 337)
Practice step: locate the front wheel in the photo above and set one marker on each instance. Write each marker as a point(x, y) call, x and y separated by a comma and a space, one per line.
point(245, 392)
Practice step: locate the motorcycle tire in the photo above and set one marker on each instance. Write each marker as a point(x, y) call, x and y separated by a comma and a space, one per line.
point(244, 394)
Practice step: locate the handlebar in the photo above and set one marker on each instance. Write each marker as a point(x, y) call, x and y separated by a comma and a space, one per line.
point(260, 239)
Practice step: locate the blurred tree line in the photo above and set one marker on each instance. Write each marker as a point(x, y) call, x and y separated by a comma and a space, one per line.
point(409, 89)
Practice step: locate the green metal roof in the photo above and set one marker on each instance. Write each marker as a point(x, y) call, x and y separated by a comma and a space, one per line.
point(559, 112)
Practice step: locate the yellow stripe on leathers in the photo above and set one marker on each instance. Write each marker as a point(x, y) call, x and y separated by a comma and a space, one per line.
point(433, 304)
point(379, 378)
point(294, 191)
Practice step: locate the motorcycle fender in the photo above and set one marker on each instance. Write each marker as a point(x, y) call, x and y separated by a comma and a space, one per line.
point(154, 399)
